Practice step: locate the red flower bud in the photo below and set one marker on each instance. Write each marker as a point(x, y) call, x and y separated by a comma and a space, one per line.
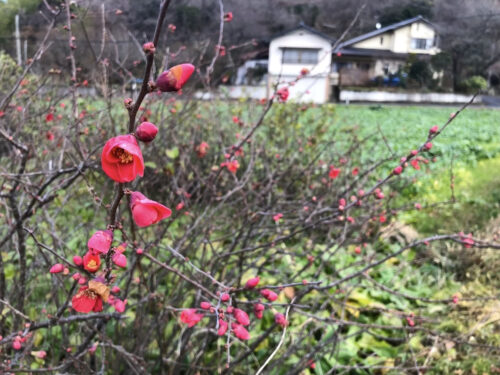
point(240, 331)
point(205, 305)
point(252, 283)
point(56, 268)
point(398, 170)
point(174, 78)
point(434, 129)
point(269, 295)
point(280, 319)
point(428, 146)
point(241, 317)
point(222, 328)
point(146, 132)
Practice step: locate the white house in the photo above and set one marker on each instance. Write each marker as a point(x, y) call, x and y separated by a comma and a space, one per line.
point(297, 49)
point(356, 62)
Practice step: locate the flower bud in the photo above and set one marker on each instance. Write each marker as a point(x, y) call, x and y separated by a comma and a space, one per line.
point(56, 268)
point(252, 283)
point(146, 132)
point(174, 78)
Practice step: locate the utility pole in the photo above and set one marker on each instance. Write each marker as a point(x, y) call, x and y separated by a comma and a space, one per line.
point(18, 42)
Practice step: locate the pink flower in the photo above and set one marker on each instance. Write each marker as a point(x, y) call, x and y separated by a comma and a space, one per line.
point(269, 295)
point(236, 119)
point(355, 171)
point(252, 283)
point(241, 317)
point(16, 345)
point(147, 212)
point(434, 129)
point(190, 317)
point(56, 268)
point(224, 297)
point(100, 241)
point(146, 132)
point(414, 164)
point(277, 217)
point(121, 159)
point(240, 331)
point(283, 94)
point(232, 165)
point(174, 78)
point(222, 327)
point(228, 17)
point(428, 146)
point(418, 206)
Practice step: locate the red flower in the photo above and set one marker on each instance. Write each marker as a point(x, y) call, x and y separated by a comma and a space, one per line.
point(100, 241)
point(91, 261)
point(49, 117)
point(147, 212)
point(414, 164)
point(232, 165)
point(355, 171)
point(240, 331)
point(277, 217)
point(398, 170)
point(90, 298)
point(283, 94)
point(190, 317)
point(334, 172)
point(121, 159)
point(205, 305)
point(228, 17)
point(174, 78)
point(120, 260)
point(258, 310)
point(202, 149)
point(146, 132)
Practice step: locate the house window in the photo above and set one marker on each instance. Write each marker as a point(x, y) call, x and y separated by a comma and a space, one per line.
point(300, 56)
point(417, 43)
point(381, 40)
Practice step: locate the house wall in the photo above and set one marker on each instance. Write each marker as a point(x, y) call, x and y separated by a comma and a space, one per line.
point(315, 86)
point(399, 40)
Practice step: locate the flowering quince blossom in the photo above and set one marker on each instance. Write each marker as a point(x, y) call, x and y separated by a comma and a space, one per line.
point(224, 297)
point(190, 317)
point(100, 242)
point(90, 298)
point(120, 260)
point(121, 158)
point(283, 94)
point(91, 261)
point(146, 211)
point(174, 78)
point(202, 149)
point(228, 17)
point(205, 305)
point(334, 172)
point(232, 165)
point(240, 331)
point(277, 217)
point(414, 164)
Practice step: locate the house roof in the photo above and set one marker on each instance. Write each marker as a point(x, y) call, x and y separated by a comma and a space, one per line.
point(384, 30)
point(307, 28)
